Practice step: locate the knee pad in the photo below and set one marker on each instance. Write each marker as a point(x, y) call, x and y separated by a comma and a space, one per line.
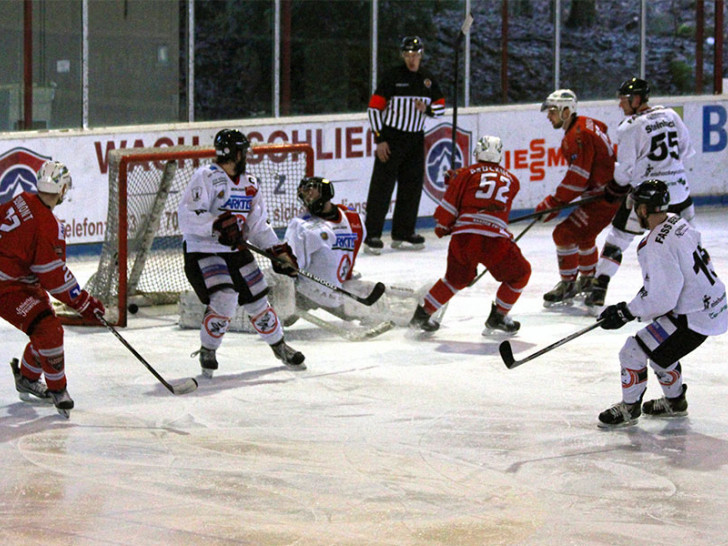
point(218, 314)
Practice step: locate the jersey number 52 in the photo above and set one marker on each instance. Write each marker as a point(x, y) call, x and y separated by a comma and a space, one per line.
point(493, 186)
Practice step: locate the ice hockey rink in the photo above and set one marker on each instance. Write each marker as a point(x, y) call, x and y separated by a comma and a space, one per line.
point(396, 440)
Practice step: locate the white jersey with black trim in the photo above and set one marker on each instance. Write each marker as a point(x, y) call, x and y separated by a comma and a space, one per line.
point(327, 249)
point(654, 143)
point(210, 193)
point(679, 277)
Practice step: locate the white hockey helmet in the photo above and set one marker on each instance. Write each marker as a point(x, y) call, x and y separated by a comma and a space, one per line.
point(560, 99)
point(488, 148)
point(53, 177)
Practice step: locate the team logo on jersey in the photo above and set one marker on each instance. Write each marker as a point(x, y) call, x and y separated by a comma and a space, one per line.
point(345, 241)
point(17, 172)
point(324, 236)
point(237, 203)
point(438, 151)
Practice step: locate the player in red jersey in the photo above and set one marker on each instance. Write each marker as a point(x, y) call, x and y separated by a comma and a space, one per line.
point(33, 265)
point(474, 210)
point(590, 156)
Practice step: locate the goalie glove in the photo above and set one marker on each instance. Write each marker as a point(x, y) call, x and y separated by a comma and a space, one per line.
point(87, 305)
point(549, 203)
point(228, 229)
point(284, 252)
point(615, 316)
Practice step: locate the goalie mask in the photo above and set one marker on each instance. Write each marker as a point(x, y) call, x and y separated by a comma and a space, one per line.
point(324, 188)
point(53, 177)
point(489, 148)
point(228, 143)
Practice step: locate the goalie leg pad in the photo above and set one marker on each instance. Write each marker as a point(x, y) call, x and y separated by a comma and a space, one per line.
point(265, 321)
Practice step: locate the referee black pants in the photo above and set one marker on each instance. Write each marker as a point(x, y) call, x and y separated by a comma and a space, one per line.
point(406, 168)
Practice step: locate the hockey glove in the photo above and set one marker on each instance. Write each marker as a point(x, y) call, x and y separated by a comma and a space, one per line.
point(549, 203)
point(229, 233)
point(615, 316)
point(441, 231)
point(613, 192)
point(284, 252)
point(87, 305)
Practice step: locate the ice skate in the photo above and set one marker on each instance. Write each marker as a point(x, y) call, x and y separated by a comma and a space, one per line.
point(292, 359)
point(667, 407)
point(29, 391)
point(598, 292)
point(373, 246)
point(498, 323)
point(421, 320)
point(412, 242)
point(584, 286)
point(63, 402)
point(208, 361)
point(562, 294)
point(620, 415)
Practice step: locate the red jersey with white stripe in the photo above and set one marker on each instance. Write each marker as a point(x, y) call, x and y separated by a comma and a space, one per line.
point(478, 200)
point(590, 155)
point(33, 248)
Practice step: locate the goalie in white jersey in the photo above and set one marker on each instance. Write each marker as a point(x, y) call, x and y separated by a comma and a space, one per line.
point(682, 298)
point(220, 209)
point(652, 143)
point(325, 240)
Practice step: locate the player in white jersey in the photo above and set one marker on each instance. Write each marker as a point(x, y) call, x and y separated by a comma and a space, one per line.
point(683, 300)
point(325, 241)
point(652, 142)
point(220, 209)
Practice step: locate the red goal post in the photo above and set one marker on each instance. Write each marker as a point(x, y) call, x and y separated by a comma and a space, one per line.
point(141, 261)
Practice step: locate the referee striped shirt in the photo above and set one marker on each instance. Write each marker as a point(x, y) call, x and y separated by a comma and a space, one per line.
point(392, 106)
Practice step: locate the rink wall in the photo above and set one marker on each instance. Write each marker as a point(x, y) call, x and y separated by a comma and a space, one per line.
point(344, 153)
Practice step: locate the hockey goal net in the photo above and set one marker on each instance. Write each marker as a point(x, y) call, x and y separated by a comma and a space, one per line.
point(141, 260)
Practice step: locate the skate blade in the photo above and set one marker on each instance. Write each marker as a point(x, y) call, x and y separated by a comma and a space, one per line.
point(564, 303)
point(295, 367)
point(32, 399)
point(667, 416)
point(208, 373)
point(624, 424)
point(64, 412)
point(493, 332)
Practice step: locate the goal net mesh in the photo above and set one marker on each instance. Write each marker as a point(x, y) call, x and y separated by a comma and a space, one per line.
point(141, 260)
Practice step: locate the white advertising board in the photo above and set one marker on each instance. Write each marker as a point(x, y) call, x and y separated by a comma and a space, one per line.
point(344, 153)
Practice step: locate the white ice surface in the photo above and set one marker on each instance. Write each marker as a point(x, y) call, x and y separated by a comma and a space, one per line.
point(391, 441)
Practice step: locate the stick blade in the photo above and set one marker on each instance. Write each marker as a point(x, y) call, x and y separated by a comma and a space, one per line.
point(377, 293)
point(185, 387)
point(506, 353)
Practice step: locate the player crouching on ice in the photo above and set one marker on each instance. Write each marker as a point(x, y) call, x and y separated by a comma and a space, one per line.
point(681, 296)
point(475, 211)
point(221, 208)
point(33, 264)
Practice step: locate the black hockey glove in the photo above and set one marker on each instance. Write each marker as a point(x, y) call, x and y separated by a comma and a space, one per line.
point(613, 192)
point(226, 225)
point(615, 316)
point(284, 252)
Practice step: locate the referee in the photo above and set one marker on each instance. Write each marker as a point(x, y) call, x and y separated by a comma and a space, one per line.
point(397, 110)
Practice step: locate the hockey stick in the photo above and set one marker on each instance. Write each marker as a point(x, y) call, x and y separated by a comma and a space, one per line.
point(351, 335)
point(555, 209)
point(506, 351)
point(529, 226)
point(375, 294)
point(184, 387)
point(464, 30)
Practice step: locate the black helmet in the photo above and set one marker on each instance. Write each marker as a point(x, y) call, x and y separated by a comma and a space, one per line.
point(635, 86)
point(412, 43)
point(325, 189)
point(227, 144)
point(654, 194)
